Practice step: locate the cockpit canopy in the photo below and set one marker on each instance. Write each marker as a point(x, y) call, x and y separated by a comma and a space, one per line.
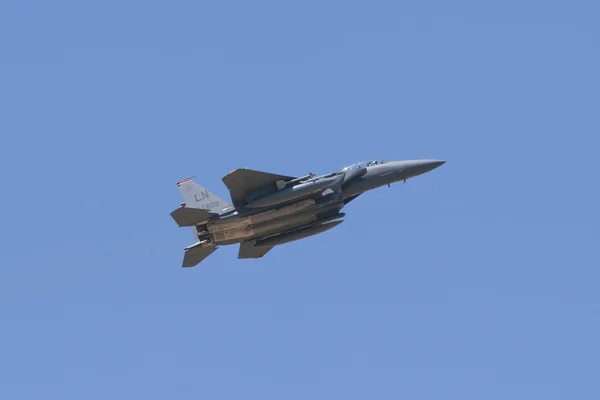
point(363, 164)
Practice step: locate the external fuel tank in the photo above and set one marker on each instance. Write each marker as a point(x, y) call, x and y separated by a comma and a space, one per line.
point(298, 191)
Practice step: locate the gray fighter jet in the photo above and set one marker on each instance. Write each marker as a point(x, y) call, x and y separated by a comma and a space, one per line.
point(269, 209)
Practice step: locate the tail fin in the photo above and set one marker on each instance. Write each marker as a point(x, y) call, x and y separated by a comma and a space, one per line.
point(195, 196)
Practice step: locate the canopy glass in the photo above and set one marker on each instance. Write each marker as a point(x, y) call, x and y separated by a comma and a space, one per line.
point(363, 164)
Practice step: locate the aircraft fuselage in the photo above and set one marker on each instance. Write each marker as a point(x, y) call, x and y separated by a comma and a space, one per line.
point(271, 209)
point(249, 223)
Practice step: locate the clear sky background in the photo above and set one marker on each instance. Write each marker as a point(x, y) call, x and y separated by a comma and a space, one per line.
point(478, 280)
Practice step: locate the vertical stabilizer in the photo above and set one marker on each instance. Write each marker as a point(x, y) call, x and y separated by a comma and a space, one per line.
point(196, 196)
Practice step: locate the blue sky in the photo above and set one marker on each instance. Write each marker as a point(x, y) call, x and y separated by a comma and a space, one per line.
point(478, 280)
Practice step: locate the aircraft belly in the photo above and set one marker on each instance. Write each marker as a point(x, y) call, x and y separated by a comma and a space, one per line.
point(239, 229)
point(281, 212)
point(268, 243)
point(270, 222)
point(231, 230)
point(283, 224)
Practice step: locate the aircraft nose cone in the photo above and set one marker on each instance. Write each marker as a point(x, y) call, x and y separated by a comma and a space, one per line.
point(418, 167)
point(433, 164)
point(428, 165)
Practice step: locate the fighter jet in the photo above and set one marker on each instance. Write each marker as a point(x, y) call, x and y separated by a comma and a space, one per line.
point(268, 210)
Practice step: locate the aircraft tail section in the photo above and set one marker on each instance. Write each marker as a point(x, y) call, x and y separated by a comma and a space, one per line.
point(196, 196)
point(187, 216)
point(196, 254)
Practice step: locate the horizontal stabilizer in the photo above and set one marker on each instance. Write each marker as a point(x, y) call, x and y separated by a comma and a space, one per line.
point(186, 216)
point(242, 182)
point(247, 250)
point(195, 255)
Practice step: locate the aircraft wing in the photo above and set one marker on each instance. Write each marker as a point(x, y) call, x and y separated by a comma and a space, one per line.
point(247, 250)
point(242, 182)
